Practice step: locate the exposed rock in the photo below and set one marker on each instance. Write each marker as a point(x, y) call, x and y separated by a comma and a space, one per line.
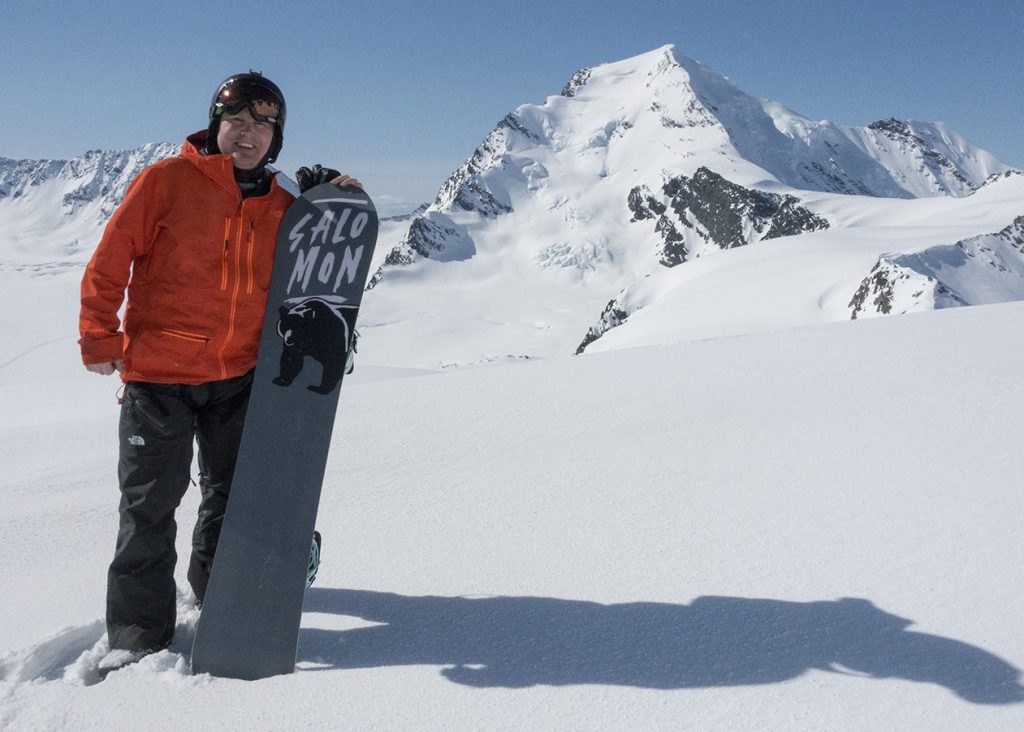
point(611, 317)
point(432, 235)
point(980, 270)
point(578, 80)
point(938, 164)
point(709, 211)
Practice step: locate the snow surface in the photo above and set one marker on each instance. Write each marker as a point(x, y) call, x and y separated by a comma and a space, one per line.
point(807, 529)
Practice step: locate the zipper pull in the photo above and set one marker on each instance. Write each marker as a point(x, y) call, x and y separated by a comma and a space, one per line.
point(227, 234)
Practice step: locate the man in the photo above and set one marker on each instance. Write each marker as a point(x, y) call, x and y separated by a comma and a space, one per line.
point(193, 244)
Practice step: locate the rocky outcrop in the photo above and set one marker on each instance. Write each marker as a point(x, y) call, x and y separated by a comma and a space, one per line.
point(578, 81)
point(612, 316)
point(938, 165)
point(980, 270)
point(706, 211)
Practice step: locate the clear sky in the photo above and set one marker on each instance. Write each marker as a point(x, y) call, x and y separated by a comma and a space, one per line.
point(400, 93)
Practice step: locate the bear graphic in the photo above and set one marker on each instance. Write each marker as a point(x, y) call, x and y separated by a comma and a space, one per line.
point(315, 327)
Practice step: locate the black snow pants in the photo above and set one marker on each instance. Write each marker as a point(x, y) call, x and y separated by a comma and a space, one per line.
point(158, 425)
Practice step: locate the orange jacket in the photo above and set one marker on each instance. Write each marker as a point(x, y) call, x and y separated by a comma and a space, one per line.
point(196, 260)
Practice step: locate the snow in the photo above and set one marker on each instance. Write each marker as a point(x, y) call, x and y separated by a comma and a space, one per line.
point(802, 529)
point(738, 510)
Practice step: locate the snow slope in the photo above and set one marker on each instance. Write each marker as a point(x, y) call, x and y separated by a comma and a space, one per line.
point(815, 277)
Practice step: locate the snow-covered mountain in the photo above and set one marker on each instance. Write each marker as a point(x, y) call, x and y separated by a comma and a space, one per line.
point(979, 270)
point(879, 257)
point(650, 163)
point(96, 177)
point(52, 212)
point(643, 177)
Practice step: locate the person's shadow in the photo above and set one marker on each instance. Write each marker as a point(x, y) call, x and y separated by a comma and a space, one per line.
point(714, 641)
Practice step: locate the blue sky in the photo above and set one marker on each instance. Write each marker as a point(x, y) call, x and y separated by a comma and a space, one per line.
point(400, 93)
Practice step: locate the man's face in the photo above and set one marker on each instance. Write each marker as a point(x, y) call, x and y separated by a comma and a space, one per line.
point(245, 139)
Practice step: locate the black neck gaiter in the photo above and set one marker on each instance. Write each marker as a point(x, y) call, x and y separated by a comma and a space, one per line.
point(255, 182)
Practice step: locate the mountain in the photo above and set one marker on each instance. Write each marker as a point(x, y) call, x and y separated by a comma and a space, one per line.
point(647, 164)
point(879, 257)
point(52, 212)
point(660, 118)
point(977, 271)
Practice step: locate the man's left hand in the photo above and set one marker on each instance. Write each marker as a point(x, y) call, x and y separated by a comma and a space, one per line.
point(309, 177)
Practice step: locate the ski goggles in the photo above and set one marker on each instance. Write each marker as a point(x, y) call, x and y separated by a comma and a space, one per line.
point(236, 97)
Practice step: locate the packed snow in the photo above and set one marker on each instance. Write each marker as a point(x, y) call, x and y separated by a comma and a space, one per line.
point(738, 509)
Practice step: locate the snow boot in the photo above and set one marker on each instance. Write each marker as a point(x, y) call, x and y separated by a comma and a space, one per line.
point(117, 658)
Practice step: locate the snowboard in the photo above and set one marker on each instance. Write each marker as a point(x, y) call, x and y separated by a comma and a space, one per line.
point(249, 624)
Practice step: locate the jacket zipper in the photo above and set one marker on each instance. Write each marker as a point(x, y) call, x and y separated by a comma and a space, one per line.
point(224, 255)
point(185, 335)
point(252, 245)
point(234, 294)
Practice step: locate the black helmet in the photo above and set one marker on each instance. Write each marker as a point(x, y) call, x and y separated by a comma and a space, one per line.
point(264, 100)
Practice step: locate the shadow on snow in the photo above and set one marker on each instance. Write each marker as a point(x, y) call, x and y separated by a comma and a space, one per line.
point(518, 642)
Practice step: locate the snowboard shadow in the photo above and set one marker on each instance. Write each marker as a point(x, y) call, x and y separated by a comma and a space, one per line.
point(517, 642)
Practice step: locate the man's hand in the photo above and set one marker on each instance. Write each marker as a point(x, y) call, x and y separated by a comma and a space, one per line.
point(105, 369)
point(309, 177)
